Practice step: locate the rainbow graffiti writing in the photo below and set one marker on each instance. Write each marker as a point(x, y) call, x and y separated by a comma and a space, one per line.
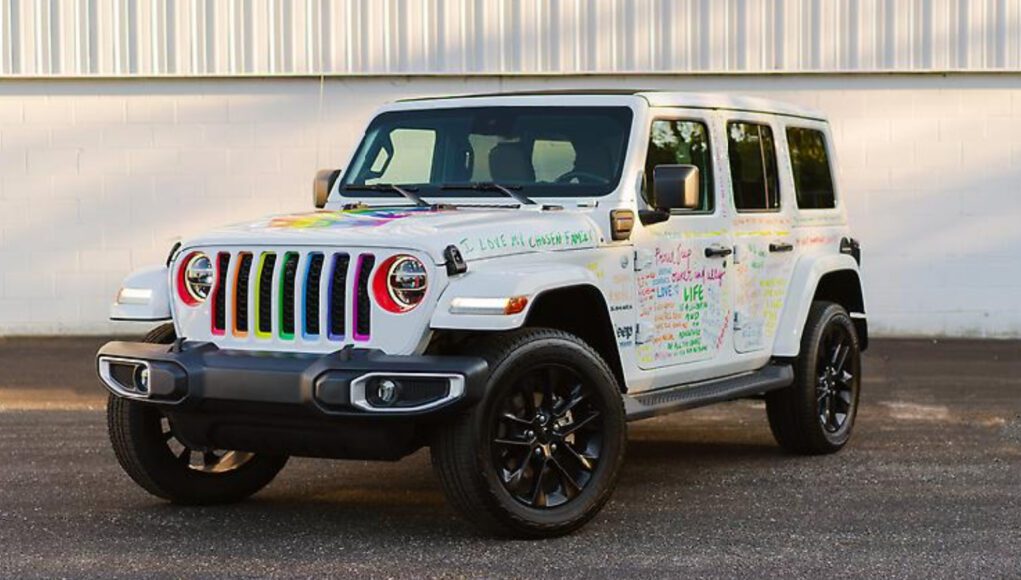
point(362, 217)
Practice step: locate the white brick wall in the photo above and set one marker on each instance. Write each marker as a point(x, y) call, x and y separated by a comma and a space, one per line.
point(100, 177)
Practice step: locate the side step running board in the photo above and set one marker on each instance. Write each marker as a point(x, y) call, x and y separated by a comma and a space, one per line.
point(680, 397)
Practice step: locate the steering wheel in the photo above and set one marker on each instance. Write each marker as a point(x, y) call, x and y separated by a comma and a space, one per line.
point(581, 176)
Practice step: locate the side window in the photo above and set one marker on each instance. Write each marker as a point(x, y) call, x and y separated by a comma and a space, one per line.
point(680, 143)
point(810, 164)
point(753, 167)
point(408, 159)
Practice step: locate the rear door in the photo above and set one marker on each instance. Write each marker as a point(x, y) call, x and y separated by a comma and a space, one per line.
point(764, 246)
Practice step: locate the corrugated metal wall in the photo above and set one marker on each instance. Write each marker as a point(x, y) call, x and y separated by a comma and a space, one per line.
point(344, 37)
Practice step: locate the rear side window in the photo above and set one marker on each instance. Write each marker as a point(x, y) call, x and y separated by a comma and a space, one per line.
point(680, 143)
point(753, 167)
point(810, 164)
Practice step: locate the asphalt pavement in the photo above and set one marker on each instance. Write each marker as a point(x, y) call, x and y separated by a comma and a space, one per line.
point(930, 486)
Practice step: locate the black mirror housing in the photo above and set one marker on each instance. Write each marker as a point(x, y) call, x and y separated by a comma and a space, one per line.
point(322, 184)
point(675, 187)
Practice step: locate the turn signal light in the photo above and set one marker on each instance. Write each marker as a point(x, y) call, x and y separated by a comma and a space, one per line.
point(497, 306)
point(622, 221)
point(516, 304)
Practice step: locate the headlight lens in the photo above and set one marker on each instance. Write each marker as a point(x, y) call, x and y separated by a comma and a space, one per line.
point(400, 283)
point(196, 278)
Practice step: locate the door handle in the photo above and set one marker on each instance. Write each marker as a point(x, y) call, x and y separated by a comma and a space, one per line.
point(718, 252)
point(781, 247)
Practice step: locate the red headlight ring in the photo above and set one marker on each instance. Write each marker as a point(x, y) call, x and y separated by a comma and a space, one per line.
point(381, 288)
point(182, 290)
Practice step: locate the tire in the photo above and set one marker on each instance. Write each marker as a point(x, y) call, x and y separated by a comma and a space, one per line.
point(539, 469)
point(816, 414)
point(146, 449)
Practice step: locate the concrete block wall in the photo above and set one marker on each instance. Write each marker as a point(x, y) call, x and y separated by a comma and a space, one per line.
point(98, 177)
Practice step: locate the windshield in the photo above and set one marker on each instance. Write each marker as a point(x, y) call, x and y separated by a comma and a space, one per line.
point(537, 151)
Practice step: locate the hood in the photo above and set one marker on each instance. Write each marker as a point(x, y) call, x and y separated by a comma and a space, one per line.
point(478, 232)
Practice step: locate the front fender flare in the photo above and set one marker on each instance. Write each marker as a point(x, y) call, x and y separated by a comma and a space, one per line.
point(494, 281)
point(144, 296)
point(804, 282)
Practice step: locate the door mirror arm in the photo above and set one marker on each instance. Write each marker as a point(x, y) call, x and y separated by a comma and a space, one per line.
point(649, 217)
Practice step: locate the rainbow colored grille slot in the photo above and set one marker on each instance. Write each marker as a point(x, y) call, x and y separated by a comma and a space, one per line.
point(264, 295)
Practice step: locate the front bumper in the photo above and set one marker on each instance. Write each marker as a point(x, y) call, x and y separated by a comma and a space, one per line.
point(298, 404)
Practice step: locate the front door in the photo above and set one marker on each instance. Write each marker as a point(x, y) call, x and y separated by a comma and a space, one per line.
point(681, 263)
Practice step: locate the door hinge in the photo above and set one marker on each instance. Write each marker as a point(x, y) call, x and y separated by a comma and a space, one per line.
point(643, 259)
point(737, 321)
point(644, 332)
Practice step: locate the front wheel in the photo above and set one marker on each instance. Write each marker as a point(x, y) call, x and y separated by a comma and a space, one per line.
point(148, 450)
point(539, 456)
point(816, 414)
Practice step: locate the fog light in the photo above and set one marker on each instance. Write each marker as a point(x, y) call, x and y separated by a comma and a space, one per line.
point(387, 391)
point(142, 379)
point(400, 392)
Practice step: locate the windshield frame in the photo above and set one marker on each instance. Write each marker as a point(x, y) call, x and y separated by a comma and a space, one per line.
point(628, 115)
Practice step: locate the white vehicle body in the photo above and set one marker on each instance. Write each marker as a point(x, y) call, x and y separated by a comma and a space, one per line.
point(507, 279)
point(738, 312)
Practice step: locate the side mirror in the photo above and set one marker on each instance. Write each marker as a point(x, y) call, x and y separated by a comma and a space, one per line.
point(321, 186)
point(675, 187)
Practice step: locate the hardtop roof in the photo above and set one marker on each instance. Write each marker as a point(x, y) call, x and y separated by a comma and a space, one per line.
point(660, 98)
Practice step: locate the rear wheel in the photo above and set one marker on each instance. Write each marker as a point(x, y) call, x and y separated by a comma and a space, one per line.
point(149, 451)
point(540, 454)
point(816, 414)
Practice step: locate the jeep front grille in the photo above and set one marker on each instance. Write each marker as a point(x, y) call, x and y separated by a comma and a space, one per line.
point(254, 286)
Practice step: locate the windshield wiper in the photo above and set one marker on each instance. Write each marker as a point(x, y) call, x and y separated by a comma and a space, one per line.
point(490, 186)
point(408, 192)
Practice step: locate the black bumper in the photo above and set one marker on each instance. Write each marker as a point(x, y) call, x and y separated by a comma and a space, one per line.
point(295, 404)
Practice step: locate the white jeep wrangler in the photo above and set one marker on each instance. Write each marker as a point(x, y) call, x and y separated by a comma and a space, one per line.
point(507, 279)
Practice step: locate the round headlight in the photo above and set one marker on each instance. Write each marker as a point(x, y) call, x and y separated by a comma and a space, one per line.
point(196, 278)
point(401, 283)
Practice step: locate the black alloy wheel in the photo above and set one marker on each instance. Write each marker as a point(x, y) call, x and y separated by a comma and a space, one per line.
point(547, 438)
point(540, 454)
point(836, 381)
point(816, 413)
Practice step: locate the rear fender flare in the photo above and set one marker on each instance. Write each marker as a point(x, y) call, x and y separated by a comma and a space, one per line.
point(804, 283)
